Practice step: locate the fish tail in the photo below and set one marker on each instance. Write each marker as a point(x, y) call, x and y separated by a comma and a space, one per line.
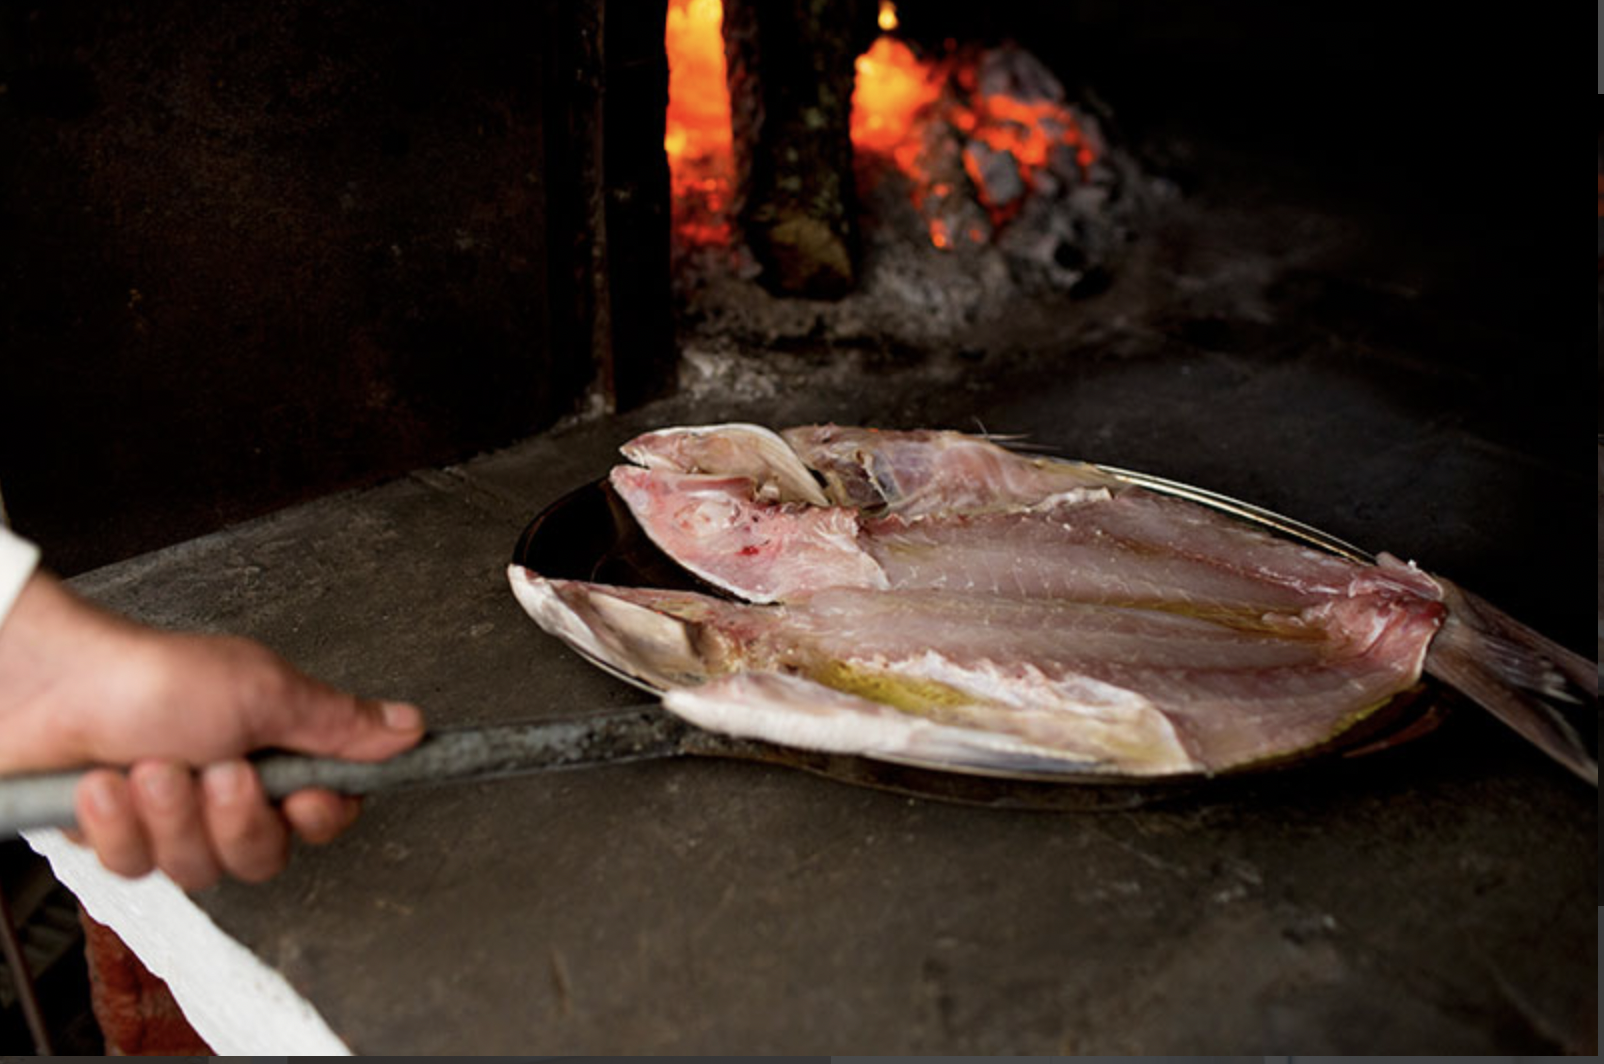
point(1516, 674)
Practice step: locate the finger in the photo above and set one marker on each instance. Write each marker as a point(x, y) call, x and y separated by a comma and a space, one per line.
point(247, 834)
point(165, 798)
point(319, 816)
point(105, 810)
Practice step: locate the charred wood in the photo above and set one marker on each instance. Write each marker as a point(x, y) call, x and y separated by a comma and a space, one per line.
point(790, 68)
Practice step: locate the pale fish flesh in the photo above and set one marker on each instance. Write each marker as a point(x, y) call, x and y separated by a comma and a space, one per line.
point(947, 601)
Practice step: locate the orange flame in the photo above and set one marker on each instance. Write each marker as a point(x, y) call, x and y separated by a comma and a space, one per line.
point(894, 92)
point(697, 134)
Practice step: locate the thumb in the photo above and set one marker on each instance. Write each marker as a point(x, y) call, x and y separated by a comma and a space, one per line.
point(321, 720)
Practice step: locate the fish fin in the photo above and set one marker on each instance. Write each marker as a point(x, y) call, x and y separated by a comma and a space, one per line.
point(1006, 439)
point(1022, 445)
point(1516, 674)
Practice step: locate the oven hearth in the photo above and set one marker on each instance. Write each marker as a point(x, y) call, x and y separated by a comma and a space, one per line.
point(973, 183)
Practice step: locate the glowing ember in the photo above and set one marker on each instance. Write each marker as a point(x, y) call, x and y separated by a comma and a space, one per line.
point(899, 96)
point(697, 134)
point(1027, 130)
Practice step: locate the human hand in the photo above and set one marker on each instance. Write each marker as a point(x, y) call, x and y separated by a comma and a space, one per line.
point(80, 685)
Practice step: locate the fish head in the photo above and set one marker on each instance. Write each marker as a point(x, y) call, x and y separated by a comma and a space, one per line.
point(657, 637)
point(718, 528)
point(926, 471)
point(873, 470)
point(733, 449)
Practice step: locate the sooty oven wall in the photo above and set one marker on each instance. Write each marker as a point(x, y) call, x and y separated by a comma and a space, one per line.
point(256, 252)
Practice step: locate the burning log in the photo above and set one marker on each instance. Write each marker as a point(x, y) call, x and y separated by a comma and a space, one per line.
point(791, 77)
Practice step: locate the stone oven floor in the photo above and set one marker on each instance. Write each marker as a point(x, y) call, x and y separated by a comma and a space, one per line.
point(1368, 372)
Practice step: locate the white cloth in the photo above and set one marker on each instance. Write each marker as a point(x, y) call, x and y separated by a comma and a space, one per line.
point(18, 558)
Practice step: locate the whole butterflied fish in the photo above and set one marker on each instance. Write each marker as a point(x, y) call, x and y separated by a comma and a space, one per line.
point(937, 598)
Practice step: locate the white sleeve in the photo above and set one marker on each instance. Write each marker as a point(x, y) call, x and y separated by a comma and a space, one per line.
point(18, 558)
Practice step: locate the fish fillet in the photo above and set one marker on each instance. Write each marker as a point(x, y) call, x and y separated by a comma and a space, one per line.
point(1101, 688)
point(936, 598)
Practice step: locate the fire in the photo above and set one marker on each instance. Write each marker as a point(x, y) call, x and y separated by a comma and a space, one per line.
point(898, 99)
point(894, 93)
point(899, 95)
point(697, 134)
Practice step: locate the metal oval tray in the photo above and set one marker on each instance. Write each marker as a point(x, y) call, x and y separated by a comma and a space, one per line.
point(589, 534)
